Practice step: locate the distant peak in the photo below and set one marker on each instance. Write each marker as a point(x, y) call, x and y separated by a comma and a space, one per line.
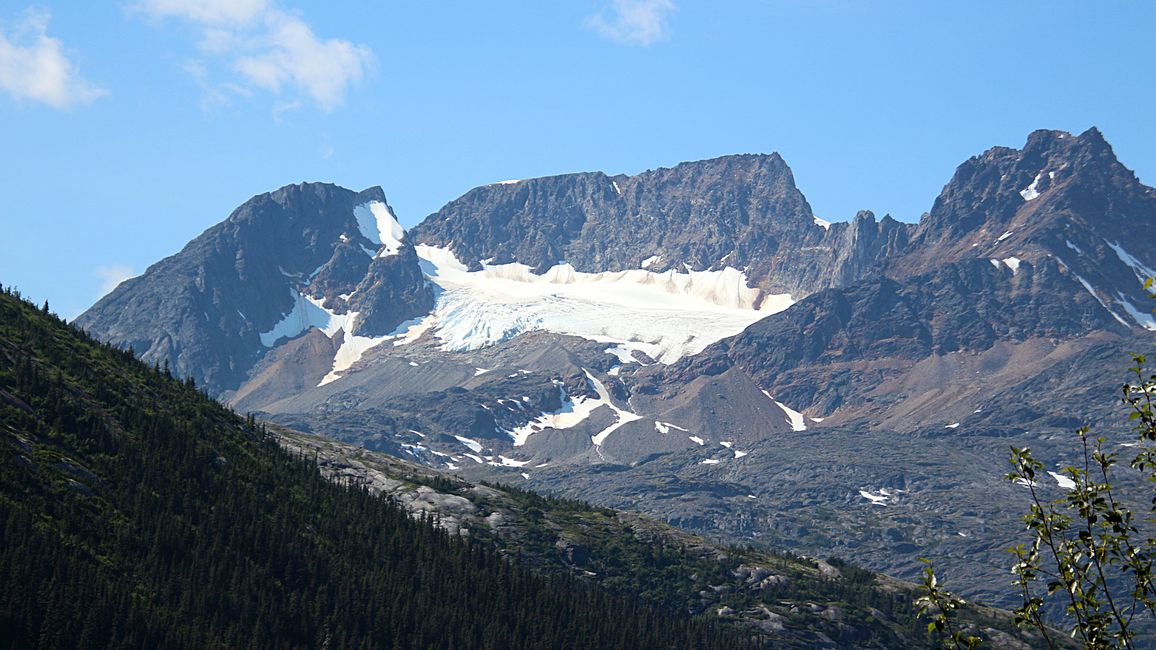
point(1049, 142)
point(1093, 135)
point(1045, 137)
point(374, 193)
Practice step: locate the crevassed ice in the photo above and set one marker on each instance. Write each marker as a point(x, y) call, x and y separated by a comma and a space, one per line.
point(666, 315)
point(376, 221)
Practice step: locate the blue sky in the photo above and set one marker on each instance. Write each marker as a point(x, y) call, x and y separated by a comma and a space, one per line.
point(129, 128)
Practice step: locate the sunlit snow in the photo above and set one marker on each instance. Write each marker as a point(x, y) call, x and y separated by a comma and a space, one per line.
point(794, 418)
point(666, 315)
point(825, 225)
point(1013, 263)
point(1144, 319)
point(665, 427)
point(1100, 300)
point(1005, 235)
point(1030, 192)
point(697, 440)
point(573, 412)
point(474, 446)
point(308, 312)
point(1142, 271)
point(875, 499)
point(623, 353)
point(623, 416)
point(1063, 481)
point(376, 221)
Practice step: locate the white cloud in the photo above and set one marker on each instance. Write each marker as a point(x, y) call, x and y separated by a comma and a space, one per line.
point(111, 276)
point(233, 12)
point(634, 22)
point(259, 45)
point(33, 65)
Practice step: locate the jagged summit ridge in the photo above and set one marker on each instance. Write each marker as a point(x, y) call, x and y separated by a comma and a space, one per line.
point(316, 255)
point(604, 335)
point(742, 211)
point(209, 311)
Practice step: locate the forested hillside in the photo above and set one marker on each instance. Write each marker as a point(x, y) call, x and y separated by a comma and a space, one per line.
point(135, 512)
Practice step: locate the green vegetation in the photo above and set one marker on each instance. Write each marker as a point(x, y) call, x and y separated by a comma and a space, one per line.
point(135, 512)
point(1088, 547)
point(796, 602)
point(1089, 551)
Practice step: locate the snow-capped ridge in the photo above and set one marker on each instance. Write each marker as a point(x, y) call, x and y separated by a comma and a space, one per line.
point(667, 315)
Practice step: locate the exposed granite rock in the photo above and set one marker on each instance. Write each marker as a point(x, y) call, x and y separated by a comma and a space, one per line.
point(202, 310)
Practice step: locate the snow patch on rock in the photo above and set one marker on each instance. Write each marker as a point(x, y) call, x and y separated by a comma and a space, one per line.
point(378, 224)
point(1064, 482)
point(794, 418)
point(1030, 192)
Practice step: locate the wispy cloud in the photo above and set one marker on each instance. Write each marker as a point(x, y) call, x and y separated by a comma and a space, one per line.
point(111, 276)
point(34, 66)
point(634, 22)
point(256, 44)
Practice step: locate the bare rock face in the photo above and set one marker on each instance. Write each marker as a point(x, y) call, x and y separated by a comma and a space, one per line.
point(1061, 197)
point(870, 420)
point(742, 211)
point(203, 311)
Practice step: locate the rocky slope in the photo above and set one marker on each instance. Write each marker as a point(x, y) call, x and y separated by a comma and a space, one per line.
point(791, 601)
point(691, 342)
point(214, 309)
point(741, 211)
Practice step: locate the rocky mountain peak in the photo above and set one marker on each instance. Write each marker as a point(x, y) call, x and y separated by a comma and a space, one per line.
point(1020, 198)
point(304, 253)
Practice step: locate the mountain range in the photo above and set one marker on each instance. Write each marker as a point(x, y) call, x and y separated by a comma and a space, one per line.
point(692, 343)
point(138, 512)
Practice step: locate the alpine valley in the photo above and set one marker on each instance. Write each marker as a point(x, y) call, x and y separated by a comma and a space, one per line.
point(692, 343)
